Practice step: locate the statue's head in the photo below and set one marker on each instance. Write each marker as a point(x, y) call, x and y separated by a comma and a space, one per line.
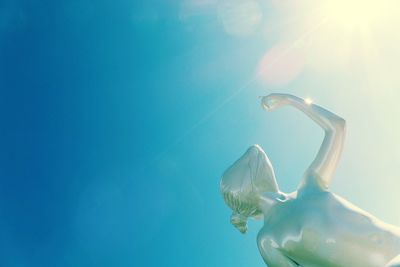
point(243, 183)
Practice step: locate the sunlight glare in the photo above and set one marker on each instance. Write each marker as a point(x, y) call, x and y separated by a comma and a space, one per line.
point(348, 30)
point(353, 14)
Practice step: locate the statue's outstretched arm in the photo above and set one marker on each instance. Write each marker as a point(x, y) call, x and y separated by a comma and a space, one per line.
point(321, 170)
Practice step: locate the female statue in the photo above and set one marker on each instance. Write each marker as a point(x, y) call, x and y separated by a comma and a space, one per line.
point(311, 227)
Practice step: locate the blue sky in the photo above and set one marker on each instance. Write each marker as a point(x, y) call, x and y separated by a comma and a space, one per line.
point(118, 118)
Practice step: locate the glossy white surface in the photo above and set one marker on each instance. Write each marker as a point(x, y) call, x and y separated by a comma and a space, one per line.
point(311, 227)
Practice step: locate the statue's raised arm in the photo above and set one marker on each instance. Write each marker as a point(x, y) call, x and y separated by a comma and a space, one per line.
point(321, 170)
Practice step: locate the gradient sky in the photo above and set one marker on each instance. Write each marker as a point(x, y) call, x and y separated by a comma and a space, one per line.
point(119, 117)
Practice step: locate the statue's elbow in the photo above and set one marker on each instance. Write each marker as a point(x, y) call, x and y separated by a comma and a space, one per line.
point(339, 124)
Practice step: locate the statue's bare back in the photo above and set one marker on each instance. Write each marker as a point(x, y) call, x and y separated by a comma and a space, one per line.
point(311, 227)
point(322, 229)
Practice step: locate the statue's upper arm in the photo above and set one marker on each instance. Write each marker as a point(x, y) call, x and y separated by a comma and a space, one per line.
point(269, 251)
point(322, 169)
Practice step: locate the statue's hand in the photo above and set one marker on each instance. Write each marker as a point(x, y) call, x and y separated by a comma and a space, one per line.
point(274, 101)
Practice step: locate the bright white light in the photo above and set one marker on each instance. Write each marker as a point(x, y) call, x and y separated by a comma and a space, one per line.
point(338, 33)
point(308, 101)
point(353, 14)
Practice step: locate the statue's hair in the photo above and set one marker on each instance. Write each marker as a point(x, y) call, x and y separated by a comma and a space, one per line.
point(239, 221)
point(243, 182)
point(240, 202)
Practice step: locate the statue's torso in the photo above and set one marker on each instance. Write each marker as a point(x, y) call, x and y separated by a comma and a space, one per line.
point(322, 229)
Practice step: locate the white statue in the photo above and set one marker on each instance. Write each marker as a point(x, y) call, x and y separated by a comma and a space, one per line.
point(311, 227)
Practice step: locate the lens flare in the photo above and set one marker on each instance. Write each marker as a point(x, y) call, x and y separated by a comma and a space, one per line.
point(281, 64)
point(240, 18)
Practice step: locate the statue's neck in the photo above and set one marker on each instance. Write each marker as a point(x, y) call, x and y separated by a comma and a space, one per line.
point(270, 200)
